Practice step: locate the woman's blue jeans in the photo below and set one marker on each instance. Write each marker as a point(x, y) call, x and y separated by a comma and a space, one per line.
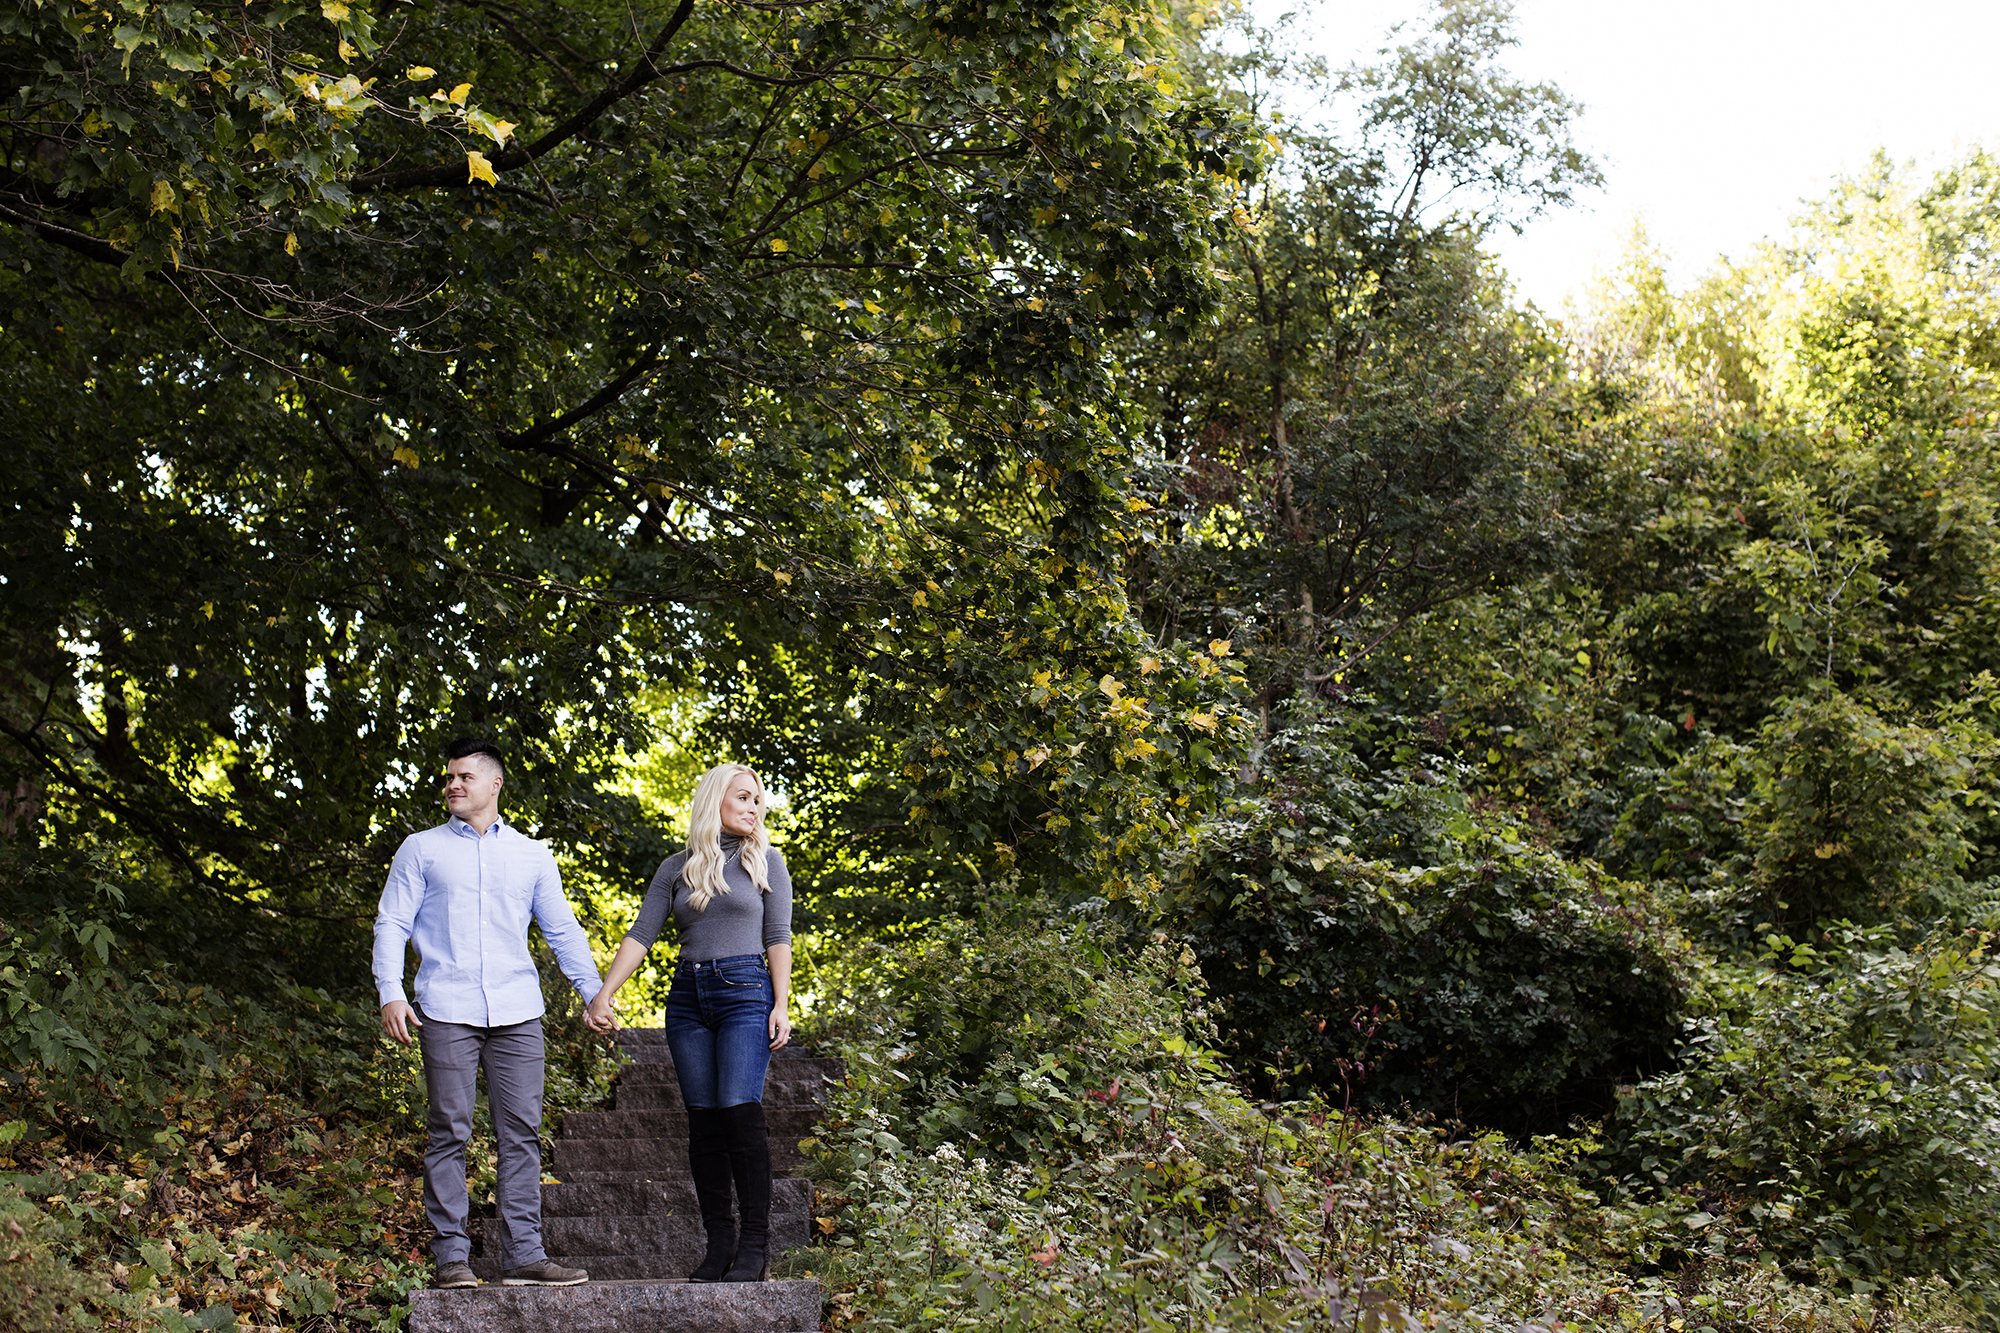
point(719, 1029)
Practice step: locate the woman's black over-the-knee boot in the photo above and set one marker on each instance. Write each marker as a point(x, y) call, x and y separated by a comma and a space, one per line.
point(709, 1165)
point(750, 1162)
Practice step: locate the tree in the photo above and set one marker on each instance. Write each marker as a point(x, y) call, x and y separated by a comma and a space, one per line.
point(1355, 443)
point(551, 349)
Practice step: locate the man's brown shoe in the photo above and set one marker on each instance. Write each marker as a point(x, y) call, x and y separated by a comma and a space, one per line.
point(546, 1273)
point(455, 1275)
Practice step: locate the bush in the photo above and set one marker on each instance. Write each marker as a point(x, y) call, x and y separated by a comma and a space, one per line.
point(107, 1042)
point(237, 1159)
point(1840, 1106)
point(41, 1294)
point(1087, 1166)
point(1855, 814)
point(1503, 988)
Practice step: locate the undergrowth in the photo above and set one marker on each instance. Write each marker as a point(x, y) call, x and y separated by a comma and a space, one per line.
point(1035, 1135)
point(179, 1156)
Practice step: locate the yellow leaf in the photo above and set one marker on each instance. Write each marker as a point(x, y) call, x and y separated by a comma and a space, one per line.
point(163, 197)
point(888, 216)
point(416, 73)
point(460, 93)
point(779, 247)
point(815, 171)
point(501, 130)
point(333, 11)
point(347, 51)
point(1041, 680)
point(1202, 721)
point(871, 307)
point(208, 609)
point(291, 242)
point(780, 577)
point(1112, 686)
point(477, 168)
point(1219, 647)
point(406, 456)
point(347, 95)
point(1148, 665)
point(918, 598)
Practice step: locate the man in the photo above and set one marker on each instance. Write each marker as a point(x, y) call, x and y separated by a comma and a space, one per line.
point(464, 893)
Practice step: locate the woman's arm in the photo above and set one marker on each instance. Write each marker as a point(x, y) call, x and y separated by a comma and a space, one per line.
point(631, 953)
point(780, 958)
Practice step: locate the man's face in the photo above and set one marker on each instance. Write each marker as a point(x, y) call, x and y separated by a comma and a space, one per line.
point(471, 784)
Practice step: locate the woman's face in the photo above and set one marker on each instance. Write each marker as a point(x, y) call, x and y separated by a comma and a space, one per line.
point(742, 805)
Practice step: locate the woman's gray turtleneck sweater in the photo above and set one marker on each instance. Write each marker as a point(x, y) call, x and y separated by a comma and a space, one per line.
point(738, 922)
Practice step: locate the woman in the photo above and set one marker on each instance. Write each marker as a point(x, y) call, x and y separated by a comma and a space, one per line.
point(731, 899)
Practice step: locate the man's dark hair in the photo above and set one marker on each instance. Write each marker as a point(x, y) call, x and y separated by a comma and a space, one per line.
point(472, 745)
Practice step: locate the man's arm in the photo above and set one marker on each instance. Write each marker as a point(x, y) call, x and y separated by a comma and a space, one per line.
point(559, 927)
point(394, 919)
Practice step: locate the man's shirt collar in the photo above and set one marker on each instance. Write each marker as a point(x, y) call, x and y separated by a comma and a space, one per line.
point(465, 830)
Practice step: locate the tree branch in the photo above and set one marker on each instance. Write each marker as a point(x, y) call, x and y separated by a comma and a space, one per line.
point(537, 435)
point(645, 71)
point(88, 246)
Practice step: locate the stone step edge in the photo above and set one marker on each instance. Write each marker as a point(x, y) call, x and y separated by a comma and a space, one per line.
point(620, 1306)
point(487, 1269)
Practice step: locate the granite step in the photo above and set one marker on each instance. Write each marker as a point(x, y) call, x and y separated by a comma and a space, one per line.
point(665, 1094)
point(596, 1160)
point(626, 1213)
point(654, 1198)
point(663, 1267)
point(612, 1306)
point(658, 1067)
point(794, 1122)
point(653, 1233)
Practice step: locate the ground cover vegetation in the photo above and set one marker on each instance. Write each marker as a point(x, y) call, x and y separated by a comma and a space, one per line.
point(1459, 818)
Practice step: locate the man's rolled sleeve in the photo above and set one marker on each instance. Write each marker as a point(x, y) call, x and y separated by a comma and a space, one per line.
point(395, 918)
point(560, 929)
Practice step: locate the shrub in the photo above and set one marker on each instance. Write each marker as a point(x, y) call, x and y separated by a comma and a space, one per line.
point(105, 1041)
point(1089, 1167)
point(1503, 988)
point(41, 1294)
point(1856, 814)
point(1840, 1106)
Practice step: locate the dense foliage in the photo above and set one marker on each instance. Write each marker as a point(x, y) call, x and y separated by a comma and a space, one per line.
point(1086, 458)
point(182, 1155)
point(1062, 1152)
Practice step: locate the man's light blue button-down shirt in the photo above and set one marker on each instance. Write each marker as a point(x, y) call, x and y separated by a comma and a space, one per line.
point(465, 901)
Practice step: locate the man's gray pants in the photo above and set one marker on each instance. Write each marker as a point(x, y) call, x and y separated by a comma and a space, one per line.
point(512, 1056)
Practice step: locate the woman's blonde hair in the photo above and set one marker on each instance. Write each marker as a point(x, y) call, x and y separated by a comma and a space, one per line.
point(703, 871)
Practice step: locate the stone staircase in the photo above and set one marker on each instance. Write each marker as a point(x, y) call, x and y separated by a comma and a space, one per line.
point(625, 1210)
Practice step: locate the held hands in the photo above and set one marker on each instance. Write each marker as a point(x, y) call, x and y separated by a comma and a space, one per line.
point(397, 1020)
point(597, 1015)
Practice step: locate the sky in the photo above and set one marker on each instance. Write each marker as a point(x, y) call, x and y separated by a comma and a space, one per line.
point(1713, 119)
